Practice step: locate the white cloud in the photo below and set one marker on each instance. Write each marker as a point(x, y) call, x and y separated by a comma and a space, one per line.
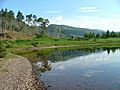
point(94, 10)
point(89, 9)
point(53, 12)
point(57, 18)
point(115, 15)
point(92, 22)
point(84, 8)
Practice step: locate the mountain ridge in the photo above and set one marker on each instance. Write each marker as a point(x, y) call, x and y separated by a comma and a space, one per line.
point(71, 31)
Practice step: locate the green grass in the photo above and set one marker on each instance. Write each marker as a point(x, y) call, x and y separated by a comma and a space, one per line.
point(8, 56)
point(16, 45)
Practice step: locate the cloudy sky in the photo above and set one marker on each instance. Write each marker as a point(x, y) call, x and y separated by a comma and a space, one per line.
point(95, 14)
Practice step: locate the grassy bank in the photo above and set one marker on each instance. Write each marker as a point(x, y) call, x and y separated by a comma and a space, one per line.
point(16, 45)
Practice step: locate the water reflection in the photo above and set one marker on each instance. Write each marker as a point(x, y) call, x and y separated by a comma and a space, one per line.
point(44, 65)
point(111, 50)
point(78, 69)
point(42, 61)
point(84, 70)
point(91, 73)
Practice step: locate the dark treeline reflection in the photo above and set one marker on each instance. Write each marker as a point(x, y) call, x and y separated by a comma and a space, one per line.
point(42, 60)
point(111, 50)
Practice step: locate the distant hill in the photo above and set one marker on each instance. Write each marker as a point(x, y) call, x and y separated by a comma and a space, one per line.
point(70, 31)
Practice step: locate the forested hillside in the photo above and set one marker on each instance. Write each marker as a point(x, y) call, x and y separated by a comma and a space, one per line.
point(29, 24)
point(70, 31)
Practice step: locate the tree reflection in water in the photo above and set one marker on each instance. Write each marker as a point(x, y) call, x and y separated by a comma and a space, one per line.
point(42, 59)
point(44, 64)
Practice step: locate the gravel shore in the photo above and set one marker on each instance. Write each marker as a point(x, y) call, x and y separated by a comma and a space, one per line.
point(16, 74)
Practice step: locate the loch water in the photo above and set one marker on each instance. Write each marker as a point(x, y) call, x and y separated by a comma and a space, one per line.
point(79, 69)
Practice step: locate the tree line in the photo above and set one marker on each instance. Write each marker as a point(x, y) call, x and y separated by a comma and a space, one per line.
point(33, 25)
point(20, 23)
point(104, 35)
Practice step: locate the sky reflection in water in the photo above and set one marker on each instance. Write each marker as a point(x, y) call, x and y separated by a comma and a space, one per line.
point(93, 71)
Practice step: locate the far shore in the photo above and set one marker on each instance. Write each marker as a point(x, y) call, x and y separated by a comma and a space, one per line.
point(79, 46)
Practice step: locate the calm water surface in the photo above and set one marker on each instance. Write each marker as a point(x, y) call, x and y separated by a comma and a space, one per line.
point(80, 69)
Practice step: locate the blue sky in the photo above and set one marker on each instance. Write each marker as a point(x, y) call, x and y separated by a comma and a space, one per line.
point(100, 14)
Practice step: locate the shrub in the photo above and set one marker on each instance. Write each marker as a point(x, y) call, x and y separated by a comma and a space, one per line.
point(56, 39)
point(38, 35)
point(8, 44)
point(35, 44)
point(2, 50)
